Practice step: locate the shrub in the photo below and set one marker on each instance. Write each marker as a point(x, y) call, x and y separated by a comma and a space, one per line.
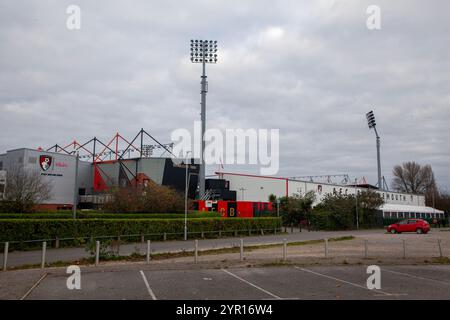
point(338, 212)
point(83, 215)
point(149, 199)
point(37, 229)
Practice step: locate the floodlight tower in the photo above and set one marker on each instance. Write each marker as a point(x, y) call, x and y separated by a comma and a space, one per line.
point(203, 51)
point(372, 125)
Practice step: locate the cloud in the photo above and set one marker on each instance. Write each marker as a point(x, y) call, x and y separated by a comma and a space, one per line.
point(310, 69)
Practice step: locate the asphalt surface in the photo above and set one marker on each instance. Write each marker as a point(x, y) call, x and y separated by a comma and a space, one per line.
point(20, 258)
point(133, 281)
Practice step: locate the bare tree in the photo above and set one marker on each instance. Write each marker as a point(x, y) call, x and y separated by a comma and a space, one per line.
point(25, 189)
point(413, 178)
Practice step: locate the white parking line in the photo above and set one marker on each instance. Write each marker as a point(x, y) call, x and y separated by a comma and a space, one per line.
point(343, 281)
point(251, 284)
point(416, 277)
point(33, 287)
point(150, 291)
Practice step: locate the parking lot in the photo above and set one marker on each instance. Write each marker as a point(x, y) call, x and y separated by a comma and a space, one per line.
point(141, 281)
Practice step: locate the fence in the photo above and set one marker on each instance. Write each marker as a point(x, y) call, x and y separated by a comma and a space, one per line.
point(115, 242)
point(284, 250)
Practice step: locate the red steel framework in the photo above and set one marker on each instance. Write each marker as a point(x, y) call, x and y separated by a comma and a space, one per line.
point(111, 150)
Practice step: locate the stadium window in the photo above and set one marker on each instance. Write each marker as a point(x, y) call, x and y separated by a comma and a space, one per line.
point(1, 165)
point(387, 196)
point(404, 198)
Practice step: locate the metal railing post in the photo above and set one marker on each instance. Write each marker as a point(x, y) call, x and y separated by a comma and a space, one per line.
point(148, 252)
point(5, 256)
point(284, 249)
point(44, 252)
point(195, 250)
point(97, 252)
point(404, 249)
point(326, 247)
point(440, 248)
point(366, 248)
point(241, 251)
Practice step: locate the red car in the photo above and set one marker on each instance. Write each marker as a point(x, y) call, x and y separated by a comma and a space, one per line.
point(409, 225)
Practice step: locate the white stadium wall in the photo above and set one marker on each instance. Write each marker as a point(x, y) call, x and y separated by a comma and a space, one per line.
point(259, 188)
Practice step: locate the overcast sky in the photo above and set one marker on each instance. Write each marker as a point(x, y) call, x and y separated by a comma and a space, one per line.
point(309, 68)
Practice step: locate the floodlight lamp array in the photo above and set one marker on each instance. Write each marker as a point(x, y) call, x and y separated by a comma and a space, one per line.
point(204, 51)
point(371, 119)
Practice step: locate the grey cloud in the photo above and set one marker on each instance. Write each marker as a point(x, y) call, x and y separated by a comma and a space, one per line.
point(311, 69)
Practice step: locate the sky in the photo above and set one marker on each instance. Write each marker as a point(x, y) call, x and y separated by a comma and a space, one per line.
point(311, 69)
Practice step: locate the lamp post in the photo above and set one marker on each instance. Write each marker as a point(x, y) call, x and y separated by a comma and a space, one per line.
point(372, 125)
point(242, 190)
point(186, 197)
point(356, 202)
point(75, 187)
point(203, 51)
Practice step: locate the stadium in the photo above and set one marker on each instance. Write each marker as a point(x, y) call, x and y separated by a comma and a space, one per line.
point(84, 172)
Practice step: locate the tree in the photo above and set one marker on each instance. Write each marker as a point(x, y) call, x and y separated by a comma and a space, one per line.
point(412, 177)
point(296, 207)
point(338, 212)
point(152, 198)
point(25, 189)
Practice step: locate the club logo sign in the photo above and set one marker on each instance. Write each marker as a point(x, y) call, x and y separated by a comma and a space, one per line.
point(45, 162)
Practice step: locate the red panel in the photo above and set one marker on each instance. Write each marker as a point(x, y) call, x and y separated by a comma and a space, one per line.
point(222, 207)
point(245, 209)
point(99, 183)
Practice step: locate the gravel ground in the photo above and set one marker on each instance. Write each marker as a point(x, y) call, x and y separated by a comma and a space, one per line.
point(382, 247)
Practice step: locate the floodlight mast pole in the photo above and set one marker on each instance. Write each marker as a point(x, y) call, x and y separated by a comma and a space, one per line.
point(203, 119)
point(372, 125)
point(203, 51)
point(380, 186)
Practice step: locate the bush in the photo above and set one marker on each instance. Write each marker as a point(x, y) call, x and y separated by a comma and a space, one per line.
point(40, 229)
point(152, 198)
point(338, 212)
point(84, 215)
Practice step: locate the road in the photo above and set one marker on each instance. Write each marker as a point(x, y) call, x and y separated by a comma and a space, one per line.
point(20, 258)
point(140, 281)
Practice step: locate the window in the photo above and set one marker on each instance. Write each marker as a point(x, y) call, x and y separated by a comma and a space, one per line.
point(1, 165)
point(404, 198)
point(388, 197)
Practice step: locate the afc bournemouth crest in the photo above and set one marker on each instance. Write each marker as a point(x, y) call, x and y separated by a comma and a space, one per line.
point(45, 162)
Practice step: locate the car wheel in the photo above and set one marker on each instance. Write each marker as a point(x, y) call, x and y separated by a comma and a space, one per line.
point(419, 231)
point(393, 231)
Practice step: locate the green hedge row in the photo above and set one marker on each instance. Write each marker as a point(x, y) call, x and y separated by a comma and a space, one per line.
point(37, 229)
point(88, 215)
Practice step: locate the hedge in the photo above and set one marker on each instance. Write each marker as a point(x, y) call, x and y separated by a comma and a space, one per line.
point(41, 229)
point(88, 215)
